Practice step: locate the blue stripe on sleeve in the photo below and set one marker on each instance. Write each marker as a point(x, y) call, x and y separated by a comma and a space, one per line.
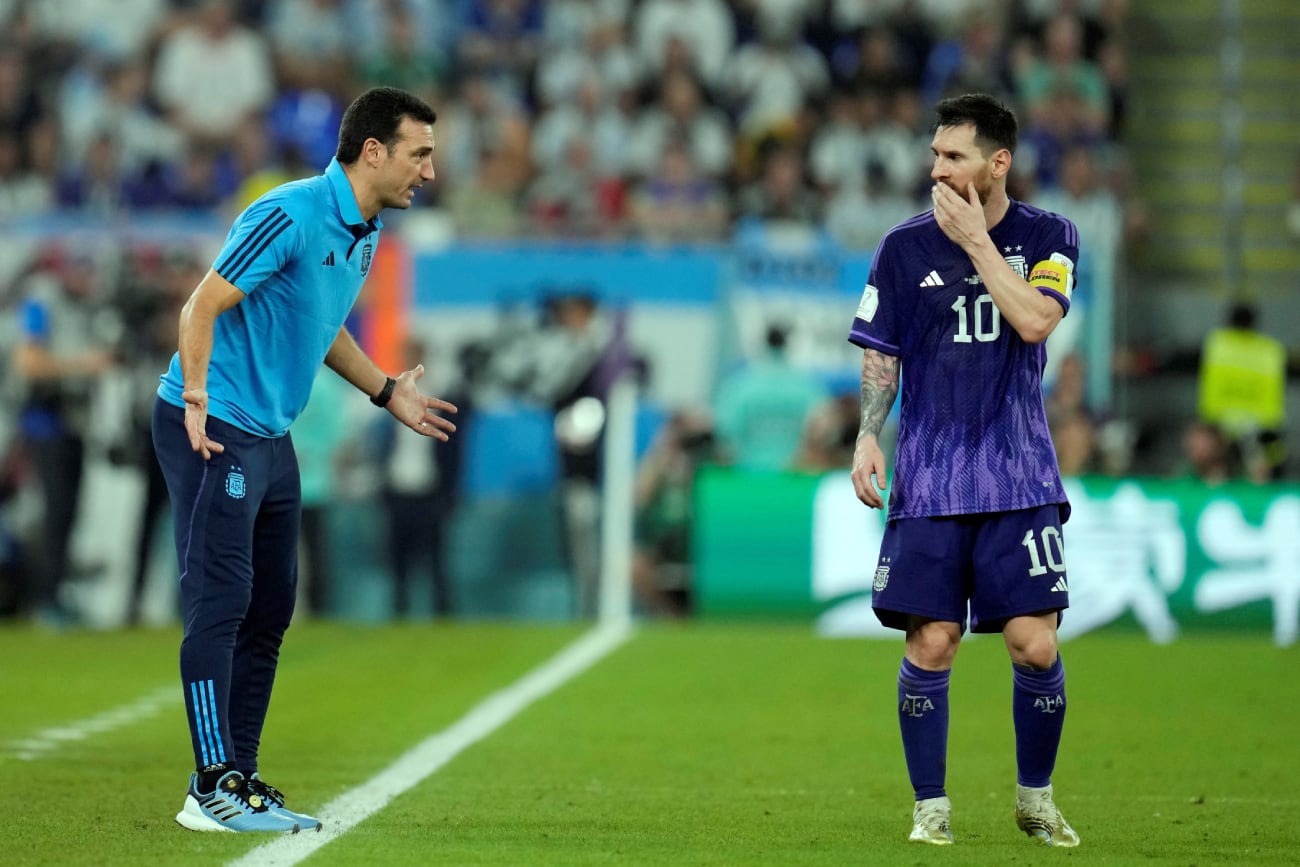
point(251, 247)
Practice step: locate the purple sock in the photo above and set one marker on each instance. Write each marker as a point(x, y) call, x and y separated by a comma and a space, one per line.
point(1038, 708)
point(923, 720)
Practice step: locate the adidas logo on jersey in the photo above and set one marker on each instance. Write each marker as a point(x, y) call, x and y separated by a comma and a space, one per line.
point(932, 279)
point(1060, 586)
point(328, 260)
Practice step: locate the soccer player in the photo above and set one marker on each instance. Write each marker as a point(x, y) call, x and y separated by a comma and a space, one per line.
point(252, 336)
point(959, 301)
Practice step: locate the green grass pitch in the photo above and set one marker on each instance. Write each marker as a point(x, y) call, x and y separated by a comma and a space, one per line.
point(695, 745)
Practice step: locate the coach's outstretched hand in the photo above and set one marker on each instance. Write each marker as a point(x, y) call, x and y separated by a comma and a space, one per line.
point(418, 412)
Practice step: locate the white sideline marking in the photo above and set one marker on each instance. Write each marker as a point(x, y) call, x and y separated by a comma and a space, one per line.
point(424, 759)
point(50, 739)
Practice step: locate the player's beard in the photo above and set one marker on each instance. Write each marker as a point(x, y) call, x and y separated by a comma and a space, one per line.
point(983, 187)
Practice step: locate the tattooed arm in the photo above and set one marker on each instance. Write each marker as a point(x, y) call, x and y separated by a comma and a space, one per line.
point(879, 388)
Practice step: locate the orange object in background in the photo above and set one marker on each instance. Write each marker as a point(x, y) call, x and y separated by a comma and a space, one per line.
point(383, 308)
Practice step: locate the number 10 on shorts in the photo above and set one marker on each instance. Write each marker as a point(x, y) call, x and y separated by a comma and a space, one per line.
point(1046, 551)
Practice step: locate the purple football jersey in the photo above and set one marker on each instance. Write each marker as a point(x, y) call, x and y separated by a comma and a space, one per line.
point(973, 433)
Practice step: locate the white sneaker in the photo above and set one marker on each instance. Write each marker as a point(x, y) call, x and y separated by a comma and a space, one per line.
point(1037, 816)
point(932, 822)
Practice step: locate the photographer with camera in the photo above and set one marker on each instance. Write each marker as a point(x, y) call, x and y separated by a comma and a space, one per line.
point(664, 498)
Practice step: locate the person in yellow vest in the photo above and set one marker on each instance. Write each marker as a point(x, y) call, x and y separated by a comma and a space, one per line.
point(1242, 390)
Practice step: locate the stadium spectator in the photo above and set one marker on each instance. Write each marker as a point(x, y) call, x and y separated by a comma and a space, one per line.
point(860, 212)
point(212, 73)
point(762, 408)
point(838, 151)
point(974, 61)
point(194, 181)
point(585, 40)
point(677, 204)
point(98, 185)
point(67, 345)
point(976, 485)
point(253, 335)
point(781, 194)
point(870, 135)
point(115, 30)
point(405, 57)
point(370, 27)
point(1082, 192)
point(310, 43)
point(252, 166)
point(572, 198)
point(770, 83)
point(1061, 71)
point(115, 101)
point(487, 157)
point(23, 192)
point(1060, 123)
point(304, 120)
point(591, 116)
point(702, 32)
point(873, 60)
point(681, 114)
point(501, 39)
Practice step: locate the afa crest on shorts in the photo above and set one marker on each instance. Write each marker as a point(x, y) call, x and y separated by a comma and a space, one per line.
point(235, 484)
point(366, 252)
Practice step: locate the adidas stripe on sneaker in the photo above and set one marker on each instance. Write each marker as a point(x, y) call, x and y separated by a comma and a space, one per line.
point(231, 806)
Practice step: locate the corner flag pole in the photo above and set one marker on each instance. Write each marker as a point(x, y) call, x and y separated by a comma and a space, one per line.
point(615, 607)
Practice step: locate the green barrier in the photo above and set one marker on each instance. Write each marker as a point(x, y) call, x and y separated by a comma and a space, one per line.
point(1170, 556)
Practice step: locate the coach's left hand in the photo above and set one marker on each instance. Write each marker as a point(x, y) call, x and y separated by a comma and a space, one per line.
point(418, 412)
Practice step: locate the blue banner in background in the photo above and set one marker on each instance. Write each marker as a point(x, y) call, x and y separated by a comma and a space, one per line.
point(475, 274)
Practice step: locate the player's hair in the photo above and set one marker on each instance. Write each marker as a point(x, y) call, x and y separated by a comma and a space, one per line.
point(995, 125)
point(378, 114)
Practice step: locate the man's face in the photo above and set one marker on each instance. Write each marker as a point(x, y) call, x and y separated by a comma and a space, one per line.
point(958, 161)
point(408, 166)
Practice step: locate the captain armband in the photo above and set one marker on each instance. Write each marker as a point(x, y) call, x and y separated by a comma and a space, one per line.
point(1056, 274)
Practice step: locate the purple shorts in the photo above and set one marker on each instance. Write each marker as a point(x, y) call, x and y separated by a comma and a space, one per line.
point(1000, 564)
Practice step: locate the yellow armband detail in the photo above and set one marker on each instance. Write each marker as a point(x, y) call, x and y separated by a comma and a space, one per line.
point(1056, 276)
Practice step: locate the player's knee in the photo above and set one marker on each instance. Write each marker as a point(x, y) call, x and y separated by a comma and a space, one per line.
point(1037, 652)
point(933, 645)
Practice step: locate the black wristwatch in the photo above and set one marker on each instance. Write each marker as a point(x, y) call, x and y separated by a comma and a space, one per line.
point(385, 393)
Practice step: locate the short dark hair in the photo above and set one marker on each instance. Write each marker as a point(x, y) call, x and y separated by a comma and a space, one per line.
point(995, 124)
point(1241, 315)
point(378, 114)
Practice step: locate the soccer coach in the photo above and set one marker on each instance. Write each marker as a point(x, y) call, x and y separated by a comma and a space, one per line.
point(252, 337)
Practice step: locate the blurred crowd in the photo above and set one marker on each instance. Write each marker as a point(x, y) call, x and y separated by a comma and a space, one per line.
point(659, 119)
point(656, 120)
